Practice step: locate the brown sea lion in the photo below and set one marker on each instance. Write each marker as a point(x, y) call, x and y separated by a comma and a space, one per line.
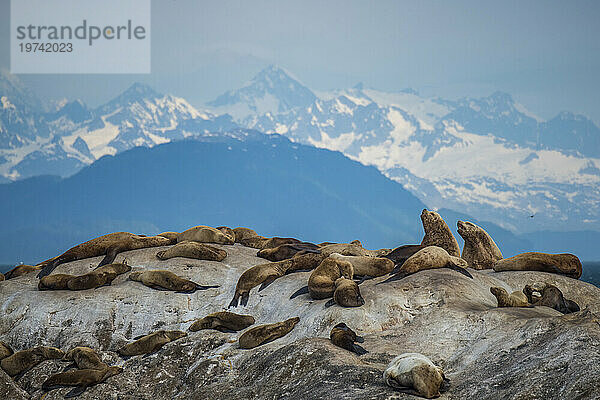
point(172, 236)
point(227, 231)
point(223, 321)
point(346, 294)
point(85, 358)
point(23, 360)
point(563, 264)
point(55, 282)
point(102, 276)
point(552, 297)
point(431, 257)
point(166, 280)
point(352, 249)
point(80, 378)
point(265, 274)
point(243, 233)
point(2, 277)
point(437, 233)
point(150, 343)
point(205, 234)
point(108, 245)
point(286, 251)
point(415, 374)
point(480, 250)
point(21, 270)
point(5, 350)
point(196, 250)
point(321, 283)
point(514, 299)
point(400, 254)
point(367, 266)
point(266, 333)
point(342, 336)
point(261, 243)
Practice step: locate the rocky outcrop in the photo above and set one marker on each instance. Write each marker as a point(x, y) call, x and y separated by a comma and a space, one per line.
point(485, 351)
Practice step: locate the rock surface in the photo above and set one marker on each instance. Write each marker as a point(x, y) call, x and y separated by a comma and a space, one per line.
point(487, 352)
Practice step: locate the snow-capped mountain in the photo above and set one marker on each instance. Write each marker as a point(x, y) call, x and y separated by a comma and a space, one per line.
point(489, 157)
point(63, 141)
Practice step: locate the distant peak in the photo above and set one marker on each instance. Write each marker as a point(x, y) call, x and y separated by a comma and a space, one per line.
point(141, 90)
point(276, 73)
point(502, 96)
point(410, 91)
point(359, 86)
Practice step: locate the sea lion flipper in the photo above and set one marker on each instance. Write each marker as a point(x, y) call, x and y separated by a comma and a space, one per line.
point(226, 330)
point(302, 290)
point(267, 282)
point(358, 349)
point(234, 301)
point(244, 300)
point(396, 277)
point(362, 278)
point(460, 269)
point(68, 367)
point(76, 391)
point(330, 303)
point(47, 270)
point(360, 339)
point(110, 256)
point(206, 287)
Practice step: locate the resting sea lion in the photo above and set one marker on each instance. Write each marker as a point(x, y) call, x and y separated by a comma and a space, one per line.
point(437, 233)
point(172, 236)
point(352, 249)
point(552, 297)
point(346, 294)
point(85, 358)
point(166, 280)
point(150, 343)
point(367, 266)
point(266, 333)
point(21, 270)
point(2, 277)
point(23, 360)
point(480, 250)
point(243, 233)
point(108, 245)
point(205, 234)
point(400, 254)
point(415, 374)
point(223, 321)
point(195, 250)
point(286, 251)
point(227, 231)
point(55, 282)
point(342, 336)
point(5, 350)
point(431, 257)
point(563, 264)
point(260, 242)
point(81, 379)
point(515, 299)
point(265, 274)
point(321, 283)
point(102, 276)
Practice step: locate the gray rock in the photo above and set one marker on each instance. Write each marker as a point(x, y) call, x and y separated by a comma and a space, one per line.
point(487, 352)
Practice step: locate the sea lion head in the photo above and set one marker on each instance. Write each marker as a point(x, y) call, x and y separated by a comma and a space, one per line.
point(498, 291)
point(174, 335)
point(112, 371)
point(466, 229)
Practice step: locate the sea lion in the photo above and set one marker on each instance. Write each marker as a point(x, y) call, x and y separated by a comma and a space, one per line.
point(196, 250)
point(346, 294)
point(85, 358)
point(5, 350)
point(321, 283)
point(415, 374)
point(431, 257)
point(166, 280)
point(562, 264)
point(265, 274)
point(55, 282)
point(437, 233)
point(108, 245)
point(223, 321)
point(102, 276)
point(400, 254)
point(261, 242)
point(480, 250)
point(552, 297)
point(23, 360)
point(367, 266)
point(342, 336)
point(205, 234)
point(243, 233)
point(515, 299)
point(2, 277)
point(266, 333)
point(227, 231)
point(172, 236)
point(150, 343)
point(21, 270)
point(286, 251)
point(81, 379)
point(352, 249)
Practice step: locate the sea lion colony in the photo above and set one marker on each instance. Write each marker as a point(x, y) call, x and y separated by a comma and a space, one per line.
point(337, 270)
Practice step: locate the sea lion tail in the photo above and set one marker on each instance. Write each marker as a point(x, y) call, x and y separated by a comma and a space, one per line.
point(302, 290)
point(461, 270)
point(358, 349)
point(398, 276)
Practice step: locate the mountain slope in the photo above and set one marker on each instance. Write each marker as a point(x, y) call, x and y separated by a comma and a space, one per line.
point(264, 182)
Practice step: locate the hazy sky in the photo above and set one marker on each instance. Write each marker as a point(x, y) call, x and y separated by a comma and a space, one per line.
point(545, 53)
